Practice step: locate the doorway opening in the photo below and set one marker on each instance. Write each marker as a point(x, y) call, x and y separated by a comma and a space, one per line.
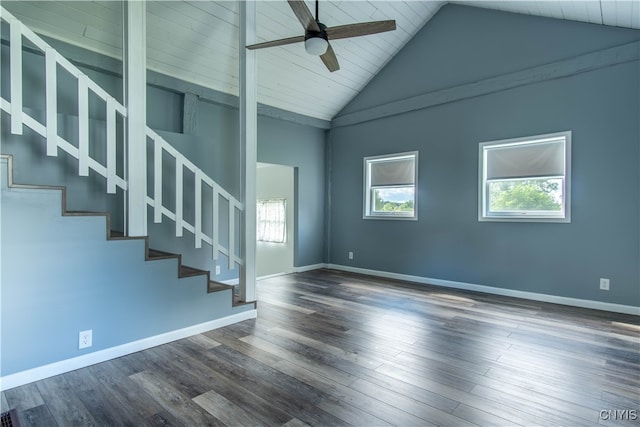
point(275, 192)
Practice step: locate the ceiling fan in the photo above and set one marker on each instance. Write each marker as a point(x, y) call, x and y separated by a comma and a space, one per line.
point(317, 35)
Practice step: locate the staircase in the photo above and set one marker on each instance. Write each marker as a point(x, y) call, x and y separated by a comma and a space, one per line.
point(131, 296)
point(94, 140)
point(150, 254)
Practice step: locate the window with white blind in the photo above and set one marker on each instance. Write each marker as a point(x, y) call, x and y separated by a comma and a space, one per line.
point(272, 220)
point(526, 179)
point(390, 186)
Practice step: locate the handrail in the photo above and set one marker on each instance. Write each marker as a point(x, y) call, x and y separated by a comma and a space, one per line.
point(49, 131)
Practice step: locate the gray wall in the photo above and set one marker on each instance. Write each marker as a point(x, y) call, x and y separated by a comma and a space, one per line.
point(601, 108)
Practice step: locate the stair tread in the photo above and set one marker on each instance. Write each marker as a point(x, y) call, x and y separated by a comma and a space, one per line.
point(218, 286)
point(238, 303)
point(84, 213)
point(156, 254)
point(119, 235)
point(215, 286)
point(186, 271)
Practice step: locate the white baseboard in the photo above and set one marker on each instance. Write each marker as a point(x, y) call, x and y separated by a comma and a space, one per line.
point(304, 268)
point(234, 282)
point(271, 276)
point(575, 302)
point(46, 371)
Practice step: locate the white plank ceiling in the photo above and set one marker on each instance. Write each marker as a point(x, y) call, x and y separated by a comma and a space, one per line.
point(196, 41)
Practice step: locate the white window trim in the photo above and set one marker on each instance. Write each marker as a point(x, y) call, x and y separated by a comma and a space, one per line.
point(366, 212)
point(525, 216)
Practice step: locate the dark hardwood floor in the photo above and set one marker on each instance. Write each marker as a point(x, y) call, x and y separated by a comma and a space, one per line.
point(331, 348)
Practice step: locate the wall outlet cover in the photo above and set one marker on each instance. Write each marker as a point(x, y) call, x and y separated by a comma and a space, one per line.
point(85, 339)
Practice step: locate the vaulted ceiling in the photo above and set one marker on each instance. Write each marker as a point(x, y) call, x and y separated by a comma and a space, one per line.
point(197, 41)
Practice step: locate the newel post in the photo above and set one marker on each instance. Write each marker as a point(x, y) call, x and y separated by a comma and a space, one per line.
point(135, 81)
point(248, 144)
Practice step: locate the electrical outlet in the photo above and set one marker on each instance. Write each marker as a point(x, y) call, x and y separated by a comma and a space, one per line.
point(350, 255)
point(604, 284)
point(85, 339)
point(217, 270)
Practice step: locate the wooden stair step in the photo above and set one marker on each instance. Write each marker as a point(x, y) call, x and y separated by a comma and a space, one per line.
point(218, 286)
point(84, 213)
point(154, 254)
point(116, 234)
point(186, 271)
point(237, 302)
point(215, 286)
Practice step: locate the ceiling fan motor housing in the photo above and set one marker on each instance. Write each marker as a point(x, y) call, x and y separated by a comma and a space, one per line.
point(316, 42)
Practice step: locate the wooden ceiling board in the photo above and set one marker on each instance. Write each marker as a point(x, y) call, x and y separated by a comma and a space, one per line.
point(104, 14)
point(161, 32)
point(35, 14)
point(52, 24)
point(226, 11)
point(164, 62)
point(593, 12)
point(351, 73)
point(300, 89)
point(624, 13)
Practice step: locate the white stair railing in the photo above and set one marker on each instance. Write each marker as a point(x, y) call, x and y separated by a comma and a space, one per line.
point(182, 166)
point(49, 131)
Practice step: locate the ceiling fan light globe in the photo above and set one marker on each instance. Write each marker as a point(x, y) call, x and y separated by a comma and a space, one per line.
point(316, 45)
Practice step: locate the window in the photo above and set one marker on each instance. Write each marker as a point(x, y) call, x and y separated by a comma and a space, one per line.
point(272, 220)
point(526, 179)
point(390, 186)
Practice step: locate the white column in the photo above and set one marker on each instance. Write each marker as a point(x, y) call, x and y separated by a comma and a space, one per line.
point(15, 55)
point(248, 144)
point(136, 103)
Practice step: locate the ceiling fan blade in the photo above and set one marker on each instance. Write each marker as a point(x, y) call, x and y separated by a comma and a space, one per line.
point(330, 60)
point(274, 43)
point(361, 29)
point(304, 15)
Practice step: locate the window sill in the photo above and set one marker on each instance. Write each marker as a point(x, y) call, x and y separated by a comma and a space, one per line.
point(523, 218)
point(391, 217)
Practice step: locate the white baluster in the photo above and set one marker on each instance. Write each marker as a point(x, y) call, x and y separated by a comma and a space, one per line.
point(157, 182)
point(111, 145)
point(51, 72)
point(83, 126)
point(198, 208)
point(232, 233)
point(179, 172)
point(215, 220)
point(15, 55)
